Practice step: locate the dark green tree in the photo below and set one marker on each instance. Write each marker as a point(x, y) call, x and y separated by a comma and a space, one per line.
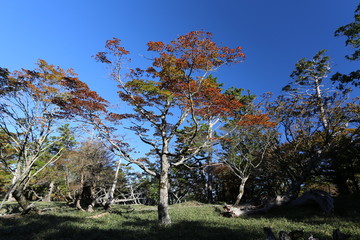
point(352, 32)
point(311, 115)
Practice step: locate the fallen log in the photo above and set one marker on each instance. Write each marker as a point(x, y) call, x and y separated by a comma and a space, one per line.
point(231, 211)
point(321, 198)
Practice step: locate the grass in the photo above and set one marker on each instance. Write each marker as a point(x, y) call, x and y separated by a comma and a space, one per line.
point(190, 221)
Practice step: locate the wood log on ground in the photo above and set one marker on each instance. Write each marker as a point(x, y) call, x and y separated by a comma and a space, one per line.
point(321, 198)
point(231, 211)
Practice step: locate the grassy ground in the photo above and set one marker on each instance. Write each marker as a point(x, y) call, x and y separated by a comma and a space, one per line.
point(190, 221)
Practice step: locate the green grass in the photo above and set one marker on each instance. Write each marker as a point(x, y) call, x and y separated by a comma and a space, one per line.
point(190, 221)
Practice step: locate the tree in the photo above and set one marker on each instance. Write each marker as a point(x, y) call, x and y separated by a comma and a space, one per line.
point(174, 91)
point(51, 178)
point(4, 75)
point(352, 32)
point(33, 103)
point(249, 137)
point(311, 115)
point(92, 174)
point(245, 149)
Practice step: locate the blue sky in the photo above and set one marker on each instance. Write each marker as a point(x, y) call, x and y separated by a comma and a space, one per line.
point(274, 34)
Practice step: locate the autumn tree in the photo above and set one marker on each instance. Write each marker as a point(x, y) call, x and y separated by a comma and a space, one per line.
point(174, 91)
point(33, 104)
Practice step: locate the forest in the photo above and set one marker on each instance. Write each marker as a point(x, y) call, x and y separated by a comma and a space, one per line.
point(202, 145)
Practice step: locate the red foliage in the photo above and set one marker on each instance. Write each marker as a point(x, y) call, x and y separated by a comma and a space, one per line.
point(53, 84)
point(194, 50)
point(175, 68)
point(260, 119)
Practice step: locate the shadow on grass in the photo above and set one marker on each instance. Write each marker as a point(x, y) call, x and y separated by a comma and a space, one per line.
point(308, 214)
point(31, 226)
point(59, 227)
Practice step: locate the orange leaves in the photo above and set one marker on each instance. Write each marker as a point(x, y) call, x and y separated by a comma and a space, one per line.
point(194, 50)
point(116, 117)
point(259, 119)
point(114, 46)
point(79, 100)
point(211, 102)
point(101, 57)
point(52, 84)
point(177, 74)
point(155, 46)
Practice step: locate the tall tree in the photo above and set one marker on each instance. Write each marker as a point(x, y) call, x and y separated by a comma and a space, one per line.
point(311, 114)
point(174, 91)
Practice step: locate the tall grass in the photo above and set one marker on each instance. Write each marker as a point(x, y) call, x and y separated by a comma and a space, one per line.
point(190, 221)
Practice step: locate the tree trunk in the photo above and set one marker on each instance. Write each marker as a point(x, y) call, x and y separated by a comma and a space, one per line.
point(51, 189)
point(209, 180)
point(163, 203)
point(295, 187)
point(16, 177)
point(111, 192)
point(241, 190)
point(322, 114)
point(20, 197)
point(209, 172)
point(11, 198)
point(79, 194)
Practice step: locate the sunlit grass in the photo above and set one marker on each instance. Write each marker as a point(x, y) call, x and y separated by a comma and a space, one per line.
point(190, 221)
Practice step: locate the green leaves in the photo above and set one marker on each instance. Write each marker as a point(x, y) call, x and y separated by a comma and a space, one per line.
point(315, 69)
point(352, 32)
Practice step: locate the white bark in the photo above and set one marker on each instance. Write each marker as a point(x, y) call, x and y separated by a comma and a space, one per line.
point(110, 195)
point(163, 202)
point(241, 190)
point(51, 189)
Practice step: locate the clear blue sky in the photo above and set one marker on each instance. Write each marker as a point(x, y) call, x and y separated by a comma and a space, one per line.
point(274, 34)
